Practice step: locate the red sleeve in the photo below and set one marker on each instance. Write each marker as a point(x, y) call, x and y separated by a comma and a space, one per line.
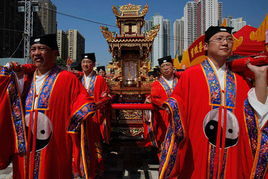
point(29, 68)
point(7, 133)
point(6, 146)
point(82, 105)
point(240, 65)
point(101, 89)
point(104, 88)
point(178, 74)
point(158, 94)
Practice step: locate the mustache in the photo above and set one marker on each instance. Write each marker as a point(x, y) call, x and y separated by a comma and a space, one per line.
point(38, 57)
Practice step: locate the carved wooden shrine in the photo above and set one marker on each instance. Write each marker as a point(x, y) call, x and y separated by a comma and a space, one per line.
point(130, 50)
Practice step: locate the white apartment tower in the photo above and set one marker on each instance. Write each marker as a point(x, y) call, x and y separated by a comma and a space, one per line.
point(209, 14)
point(198, 16)
point(158, 45)
point(190, 23)
point(147, 26)
point(220, 12)
point(166, 36)
point(178, 33)
point(47, 16)
point(76, 44)
point(236, 23)
point(62, 42)
point(161, 44)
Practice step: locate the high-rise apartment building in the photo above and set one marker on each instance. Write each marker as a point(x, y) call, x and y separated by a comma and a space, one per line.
point(62, 42)
point(147, 26)
point(166, 37)
point(158, 45)
point(11, 29)
point(210, 14)
point(220, 6)
point(190, 23)
point(236, 23)
point(45, 19)
point(161, 44)
point(178, 33)
point(198, 16)
point(76, 44)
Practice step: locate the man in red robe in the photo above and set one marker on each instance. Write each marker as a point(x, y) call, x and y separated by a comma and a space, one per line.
point(217, 129)
point(161, 90)
point(97, 88)
point(55, 106)
point(101, 71)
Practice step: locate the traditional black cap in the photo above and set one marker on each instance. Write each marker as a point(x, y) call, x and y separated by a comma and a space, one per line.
point(151, 73)
point(165, 59)
point(76, 65)
point(90, 56)
point(49, 40)
point(212, 30)
point(99, 68)
point(156, 71)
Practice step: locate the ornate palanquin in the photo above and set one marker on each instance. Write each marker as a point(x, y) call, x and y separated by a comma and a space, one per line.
point(130, 50)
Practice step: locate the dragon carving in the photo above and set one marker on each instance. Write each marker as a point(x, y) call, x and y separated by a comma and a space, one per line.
point(106, 33)
point(152, 33)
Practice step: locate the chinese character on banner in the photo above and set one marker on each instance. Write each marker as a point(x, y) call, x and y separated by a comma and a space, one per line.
point(196, 49)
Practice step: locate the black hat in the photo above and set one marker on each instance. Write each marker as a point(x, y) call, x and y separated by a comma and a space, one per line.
point(151, 73)
point(156, 71)
point(90, 56)
point(76, 65)
point(165, 59)
point(215, 29)
point(99, 68)
point(49, 40)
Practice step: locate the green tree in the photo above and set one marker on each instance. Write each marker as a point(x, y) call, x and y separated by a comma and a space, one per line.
point(61, 62)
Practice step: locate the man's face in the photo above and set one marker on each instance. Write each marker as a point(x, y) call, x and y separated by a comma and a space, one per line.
point(220, 45)
point(166, 69)
point(43, 56)
point(102, 73)
point(87, 65)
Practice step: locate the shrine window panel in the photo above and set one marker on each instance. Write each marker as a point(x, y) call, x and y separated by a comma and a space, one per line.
point(130, 74)
point(126, 28)
point(134, 29)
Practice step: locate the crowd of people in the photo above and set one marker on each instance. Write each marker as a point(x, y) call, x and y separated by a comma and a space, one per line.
point(208, 121)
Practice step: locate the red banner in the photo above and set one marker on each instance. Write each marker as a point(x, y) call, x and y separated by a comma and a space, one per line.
point(197, 48)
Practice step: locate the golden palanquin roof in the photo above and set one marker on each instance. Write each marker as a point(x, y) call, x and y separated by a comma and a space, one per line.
point(130, 10)
point(147, 37)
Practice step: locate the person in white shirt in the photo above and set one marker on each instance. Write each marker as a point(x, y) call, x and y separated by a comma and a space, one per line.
point(55, 106)
point(218, 125)
point(161, 90)
point(98, 128)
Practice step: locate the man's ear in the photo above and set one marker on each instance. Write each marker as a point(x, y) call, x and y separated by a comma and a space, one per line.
point(205, 46)
point(56, 52)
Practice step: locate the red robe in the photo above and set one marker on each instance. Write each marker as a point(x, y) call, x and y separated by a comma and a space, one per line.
point(12, 130)
point(98, 127)
point(63, 104)
point(160, 92)
point(193, 148)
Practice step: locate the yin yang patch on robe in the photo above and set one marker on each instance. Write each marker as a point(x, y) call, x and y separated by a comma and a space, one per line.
point(44, 130)
point(210, 127)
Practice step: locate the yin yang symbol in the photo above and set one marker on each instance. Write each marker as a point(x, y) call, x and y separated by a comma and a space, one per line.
point(44, 130)
point(210, 127)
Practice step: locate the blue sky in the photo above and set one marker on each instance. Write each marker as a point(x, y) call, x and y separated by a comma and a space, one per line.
point(252, 11)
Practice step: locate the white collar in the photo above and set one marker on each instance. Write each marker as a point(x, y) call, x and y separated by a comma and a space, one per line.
point(222, 68)
point(89, 75)
point(171, 79)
